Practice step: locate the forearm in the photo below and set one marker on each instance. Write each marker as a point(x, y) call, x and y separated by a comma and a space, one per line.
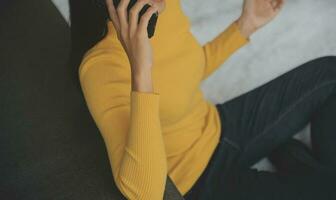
point(143, 169)
point(219, 49)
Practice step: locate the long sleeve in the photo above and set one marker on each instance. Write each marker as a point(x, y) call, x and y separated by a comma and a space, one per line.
point(128, 122)
point(222, 47)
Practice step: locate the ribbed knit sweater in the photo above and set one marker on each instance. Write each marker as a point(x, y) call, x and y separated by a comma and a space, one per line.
point(171, 131)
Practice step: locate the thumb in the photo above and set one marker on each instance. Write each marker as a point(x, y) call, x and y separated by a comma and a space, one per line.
point(279, 5)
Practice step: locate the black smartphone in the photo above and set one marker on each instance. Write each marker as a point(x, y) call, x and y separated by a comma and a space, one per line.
point(152, 21)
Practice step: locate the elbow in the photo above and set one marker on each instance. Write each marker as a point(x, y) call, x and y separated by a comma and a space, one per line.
point(143, 187)
point(131, 193)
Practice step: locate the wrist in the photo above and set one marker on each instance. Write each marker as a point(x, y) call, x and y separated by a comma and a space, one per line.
point(246, 28)
point(142, 80)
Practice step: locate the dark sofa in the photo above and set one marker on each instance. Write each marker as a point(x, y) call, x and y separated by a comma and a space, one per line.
point(50, 147)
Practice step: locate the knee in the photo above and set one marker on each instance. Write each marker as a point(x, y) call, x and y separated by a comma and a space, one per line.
point(327, 64)
point(327, 59)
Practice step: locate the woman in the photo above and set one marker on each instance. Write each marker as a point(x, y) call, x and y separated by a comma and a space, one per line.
point(145, 98)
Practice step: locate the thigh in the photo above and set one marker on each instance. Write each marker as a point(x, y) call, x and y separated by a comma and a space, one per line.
point(224, 179)
point(256, 122)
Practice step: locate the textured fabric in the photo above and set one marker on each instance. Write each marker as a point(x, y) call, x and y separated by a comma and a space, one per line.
point(174, 127)
point(49, 146)
point(257, 122)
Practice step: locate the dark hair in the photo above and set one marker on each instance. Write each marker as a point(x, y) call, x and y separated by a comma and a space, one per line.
point(102, 6)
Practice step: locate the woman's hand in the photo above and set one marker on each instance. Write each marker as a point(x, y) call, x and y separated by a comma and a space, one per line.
point(161, 4)
point(257, 13)
point(133, 36)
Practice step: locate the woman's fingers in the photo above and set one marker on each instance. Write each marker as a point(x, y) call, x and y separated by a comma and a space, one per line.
point(273, 3)
point(142, 27)
point(122, 14)
point(128, 26)
point(113, 14)
point(134, 15)
point(278, 4)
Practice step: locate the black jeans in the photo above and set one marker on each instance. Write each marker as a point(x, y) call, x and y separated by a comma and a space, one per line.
point(256, 122)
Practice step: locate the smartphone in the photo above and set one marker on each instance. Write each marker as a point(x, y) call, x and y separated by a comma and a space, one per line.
point(152, 21)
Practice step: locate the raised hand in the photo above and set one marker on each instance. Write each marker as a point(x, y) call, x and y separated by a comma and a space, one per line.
point(133, 36)
point(257, 13)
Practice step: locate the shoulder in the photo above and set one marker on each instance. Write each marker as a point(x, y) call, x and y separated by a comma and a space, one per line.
point(106, 52)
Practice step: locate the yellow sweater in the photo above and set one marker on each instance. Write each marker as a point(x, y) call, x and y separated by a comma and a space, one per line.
point(173, 130)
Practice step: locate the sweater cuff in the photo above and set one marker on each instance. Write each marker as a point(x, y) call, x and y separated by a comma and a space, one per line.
point(239, 36)
point(145, 104)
